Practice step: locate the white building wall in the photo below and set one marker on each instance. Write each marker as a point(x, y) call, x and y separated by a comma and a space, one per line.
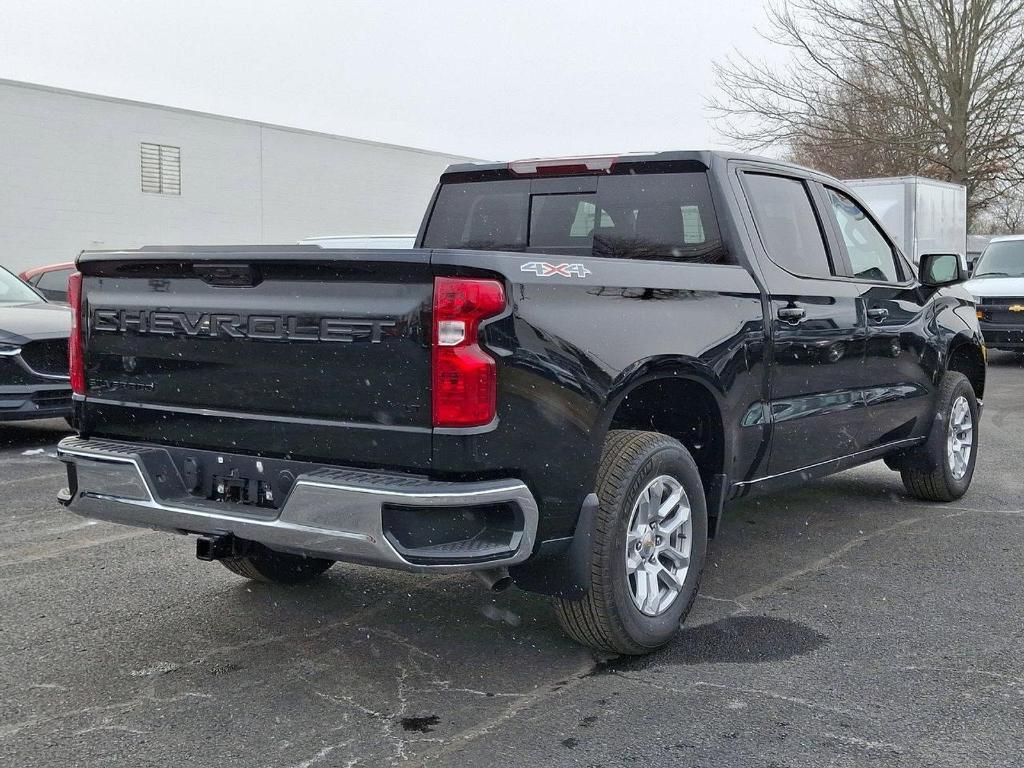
point(70, 179)
point(321, 185)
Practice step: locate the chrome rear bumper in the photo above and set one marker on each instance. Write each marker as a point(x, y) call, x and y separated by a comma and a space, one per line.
point(331, 513)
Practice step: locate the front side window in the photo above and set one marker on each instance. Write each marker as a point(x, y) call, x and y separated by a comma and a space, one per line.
point(787, 224)
point(871, 255)
point(657, 216)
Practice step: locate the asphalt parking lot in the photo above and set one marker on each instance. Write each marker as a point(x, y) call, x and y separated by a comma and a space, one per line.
point(839, 624)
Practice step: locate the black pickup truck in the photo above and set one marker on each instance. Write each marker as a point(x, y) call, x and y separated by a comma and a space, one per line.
point(564, 384)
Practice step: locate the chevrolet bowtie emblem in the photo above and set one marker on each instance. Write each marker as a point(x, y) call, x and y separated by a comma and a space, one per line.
point(1017, 307)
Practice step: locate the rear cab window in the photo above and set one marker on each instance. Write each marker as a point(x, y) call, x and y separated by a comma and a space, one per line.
point(641, 216)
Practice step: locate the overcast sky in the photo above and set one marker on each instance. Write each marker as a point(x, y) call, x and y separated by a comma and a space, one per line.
point(484, 79)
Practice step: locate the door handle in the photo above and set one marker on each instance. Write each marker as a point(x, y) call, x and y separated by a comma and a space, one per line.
point(878, 314)
point(792, 314)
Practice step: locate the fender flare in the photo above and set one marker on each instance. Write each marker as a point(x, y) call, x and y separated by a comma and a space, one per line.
point(661, 367)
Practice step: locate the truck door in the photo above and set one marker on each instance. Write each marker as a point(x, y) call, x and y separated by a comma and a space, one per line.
point(897, 367)
point(818, 327)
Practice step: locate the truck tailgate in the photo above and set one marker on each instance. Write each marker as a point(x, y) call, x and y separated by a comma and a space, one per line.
point(298, 351)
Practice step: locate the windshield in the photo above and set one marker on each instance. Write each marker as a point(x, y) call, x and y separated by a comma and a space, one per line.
point(13, 291)
point(1002, 259)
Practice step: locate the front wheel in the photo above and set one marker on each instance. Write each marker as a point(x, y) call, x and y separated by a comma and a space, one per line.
point(648, 547)
point(942, 468)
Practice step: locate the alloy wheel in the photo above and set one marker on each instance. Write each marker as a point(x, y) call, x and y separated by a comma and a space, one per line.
point(960, 441)
point(658, 542)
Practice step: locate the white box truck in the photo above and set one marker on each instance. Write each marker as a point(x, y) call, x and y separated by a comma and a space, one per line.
point(922, 215)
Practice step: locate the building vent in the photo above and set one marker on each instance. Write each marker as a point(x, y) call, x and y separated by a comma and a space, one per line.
point(161, 169)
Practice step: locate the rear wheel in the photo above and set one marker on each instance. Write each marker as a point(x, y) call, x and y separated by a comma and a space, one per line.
point(261, 563)
point(648, 547)
point(942, 468)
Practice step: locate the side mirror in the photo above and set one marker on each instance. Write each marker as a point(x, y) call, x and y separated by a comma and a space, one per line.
point(938, 269)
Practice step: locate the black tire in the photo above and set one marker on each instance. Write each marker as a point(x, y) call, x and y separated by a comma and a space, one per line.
point(261, 563)
point(926, 471)
point(607, 619)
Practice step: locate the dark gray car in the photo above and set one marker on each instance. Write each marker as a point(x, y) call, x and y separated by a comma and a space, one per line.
point(33, 353)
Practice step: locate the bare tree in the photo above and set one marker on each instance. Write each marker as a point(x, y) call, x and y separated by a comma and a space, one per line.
point(888, 87)
point(1005, 216)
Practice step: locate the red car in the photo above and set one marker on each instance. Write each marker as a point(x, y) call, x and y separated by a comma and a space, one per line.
point(51, 281)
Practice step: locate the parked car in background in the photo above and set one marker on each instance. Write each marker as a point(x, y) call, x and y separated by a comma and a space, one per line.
point(51, 281)
point(997, 285)
point(34, 334)
point(387, 242)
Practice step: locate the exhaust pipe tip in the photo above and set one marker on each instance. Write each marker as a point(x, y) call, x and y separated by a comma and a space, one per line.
point(495, 579)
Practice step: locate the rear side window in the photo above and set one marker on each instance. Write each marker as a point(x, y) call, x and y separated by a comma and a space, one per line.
point(787, 224)
point(659, 216)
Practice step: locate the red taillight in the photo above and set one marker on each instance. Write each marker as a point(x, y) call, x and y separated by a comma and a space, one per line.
point(76, 356)
point(464, 376)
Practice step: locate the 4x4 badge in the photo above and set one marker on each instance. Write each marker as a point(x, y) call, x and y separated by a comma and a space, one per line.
point(543, 269)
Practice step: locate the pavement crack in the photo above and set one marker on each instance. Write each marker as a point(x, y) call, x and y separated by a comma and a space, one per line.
point(865, 743)
point(517, 706)
point(351, 702)
point(36, 552)
point(445, 686)
point(796, 700)
point(124, 707)
point(966, 671)
point(321, 754)
point(117, 728)
point(325, 629)
point(821, 563)
point(33, 478)
point(400, 640)
point(741, 606)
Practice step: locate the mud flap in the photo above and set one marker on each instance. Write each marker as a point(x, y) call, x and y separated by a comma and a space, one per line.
point(715, 499)
point(561, 567)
